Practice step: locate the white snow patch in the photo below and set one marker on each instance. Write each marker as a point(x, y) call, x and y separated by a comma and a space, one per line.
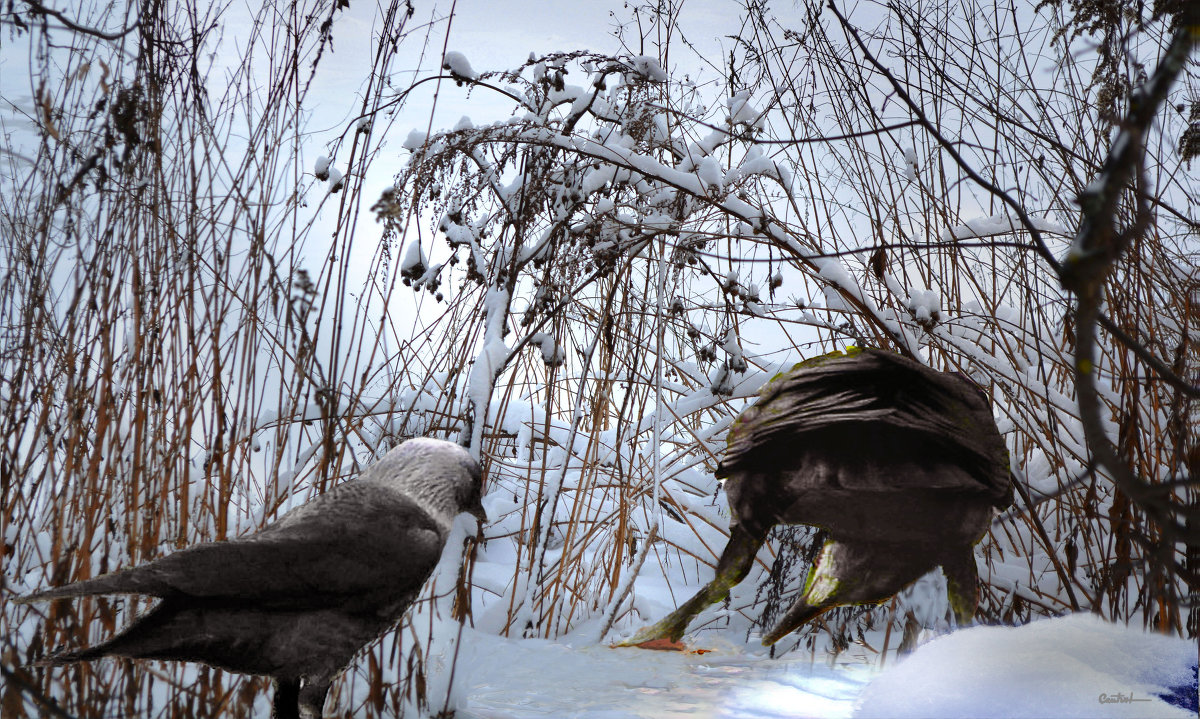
point(711, 174)
point(553, 353)
point(925, 305)
point(1057, 667)
point(756, 163)
point(414, 259)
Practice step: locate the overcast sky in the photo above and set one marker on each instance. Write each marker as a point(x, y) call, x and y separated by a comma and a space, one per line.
point(494, 35)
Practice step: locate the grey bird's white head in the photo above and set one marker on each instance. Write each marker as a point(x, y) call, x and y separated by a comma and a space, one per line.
point(440, 476)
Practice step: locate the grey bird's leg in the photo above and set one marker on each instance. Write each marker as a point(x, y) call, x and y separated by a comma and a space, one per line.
point(732, 567)
point(312, 699)
point(286, 703)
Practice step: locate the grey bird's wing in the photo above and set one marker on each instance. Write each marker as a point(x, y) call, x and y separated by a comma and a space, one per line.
point(358, 545)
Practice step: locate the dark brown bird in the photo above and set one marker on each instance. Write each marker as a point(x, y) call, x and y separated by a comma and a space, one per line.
point(298, 599)
point(900, 464)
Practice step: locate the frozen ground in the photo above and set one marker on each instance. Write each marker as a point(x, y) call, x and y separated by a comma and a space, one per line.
point(539, 678)
point(1077, 666)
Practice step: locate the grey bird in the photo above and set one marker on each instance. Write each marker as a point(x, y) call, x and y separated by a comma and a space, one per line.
point(899, 464)
point(296, 600)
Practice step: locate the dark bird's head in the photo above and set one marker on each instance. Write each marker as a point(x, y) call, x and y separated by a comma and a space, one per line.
point(441, 476)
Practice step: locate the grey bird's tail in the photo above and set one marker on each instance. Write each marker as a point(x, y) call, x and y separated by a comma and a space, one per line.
point(128, 581)
point(108, 583)
point(115, 583)
point(147, 638)
point(70, 656)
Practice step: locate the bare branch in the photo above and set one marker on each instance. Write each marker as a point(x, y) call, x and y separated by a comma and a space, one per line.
point(37, 8)
point(1097, 247)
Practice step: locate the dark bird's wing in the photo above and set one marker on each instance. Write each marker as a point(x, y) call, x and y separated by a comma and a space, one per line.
point(856, 422)
point(358, 545)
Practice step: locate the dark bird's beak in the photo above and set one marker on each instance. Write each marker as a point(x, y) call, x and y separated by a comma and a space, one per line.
point(477, 512)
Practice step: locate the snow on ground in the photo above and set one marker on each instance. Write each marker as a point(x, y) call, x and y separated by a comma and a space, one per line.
point(1076, 666)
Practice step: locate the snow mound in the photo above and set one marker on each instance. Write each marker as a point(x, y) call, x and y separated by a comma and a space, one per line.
point(1073, 666)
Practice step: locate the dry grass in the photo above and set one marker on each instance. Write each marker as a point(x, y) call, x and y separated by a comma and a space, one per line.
point(183, 358)
point(172, 359)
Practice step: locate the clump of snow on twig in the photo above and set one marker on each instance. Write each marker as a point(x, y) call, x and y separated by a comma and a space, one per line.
point(925, 306)
point(415, 140)
point(910, 163)
point(321, 168)
point(711, 174)
point(414, 264)
point(649, 67)
point(336, 180)
point(999, 225)
point(735, 360)
point(460, 69)
point(741, 112)
point(552, 353)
